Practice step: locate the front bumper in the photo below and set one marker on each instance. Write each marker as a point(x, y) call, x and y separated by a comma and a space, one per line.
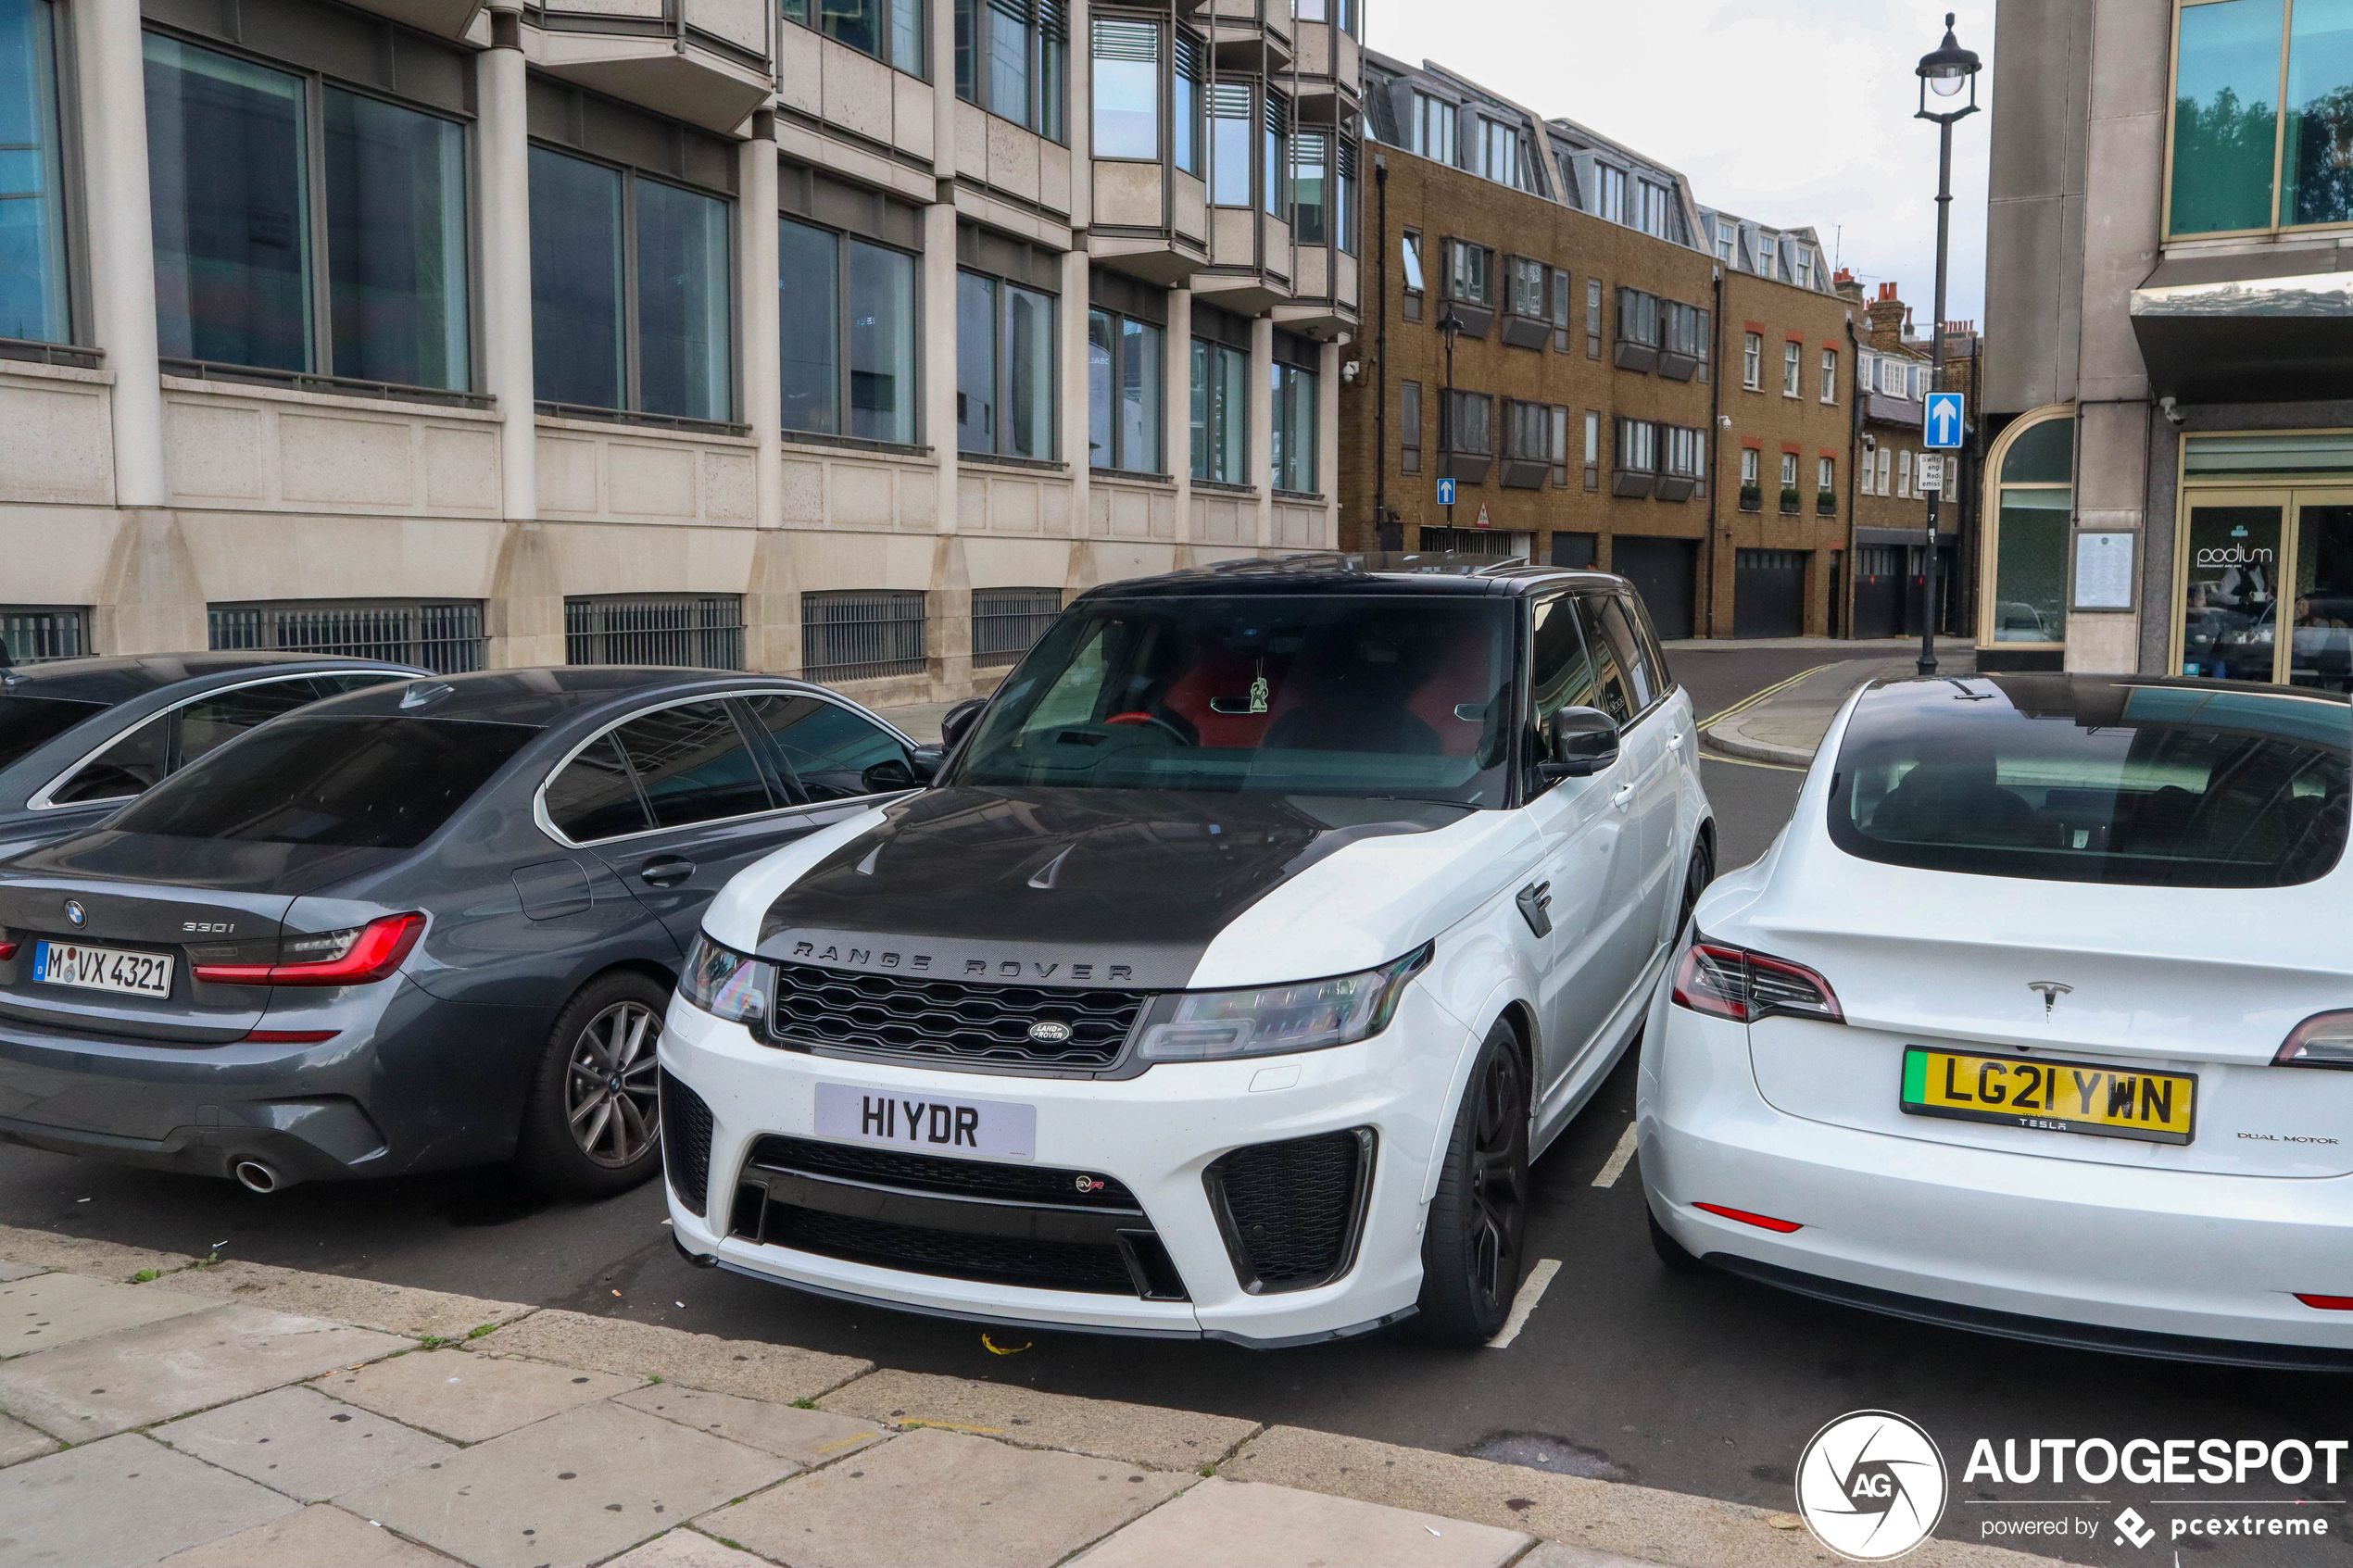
point(1157, 1134)
point(2012, 1240)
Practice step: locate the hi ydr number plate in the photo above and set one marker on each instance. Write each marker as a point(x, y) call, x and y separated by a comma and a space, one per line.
point(2056, 1096)
point(926, 1123)
point(101, 969)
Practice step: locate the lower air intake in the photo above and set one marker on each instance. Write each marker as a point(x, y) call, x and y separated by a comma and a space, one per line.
point(686, 1144)
point(1292, 1212)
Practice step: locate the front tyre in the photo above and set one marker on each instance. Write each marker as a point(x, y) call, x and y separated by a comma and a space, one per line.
point(593, 1126)
point(1473, 1248)
point(1697, 874)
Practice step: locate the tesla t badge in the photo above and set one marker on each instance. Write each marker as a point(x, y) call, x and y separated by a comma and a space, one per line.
point(2050, 991)
point(75, 912)
point(1047, 1031)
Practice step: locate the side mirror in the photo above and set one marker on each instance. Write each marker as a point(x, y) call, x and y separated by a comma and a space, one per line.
point(891, 773)
point(957, 721)
point(925, 761)
point(1578, 742)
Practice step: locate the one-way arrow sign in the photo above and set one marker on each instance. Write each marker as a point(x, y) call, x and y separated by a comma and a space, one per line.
point(1944, 420)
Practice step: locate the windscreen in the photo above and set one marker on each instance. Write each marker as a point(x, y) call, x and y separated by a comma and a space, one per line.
point(28, 722)
point(2063, 781)
point(1402, 696)
point(369, 784)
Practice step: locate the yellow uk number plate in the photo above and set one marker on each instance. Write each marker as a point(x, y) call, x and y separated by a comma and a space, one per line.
point(2055, 1097)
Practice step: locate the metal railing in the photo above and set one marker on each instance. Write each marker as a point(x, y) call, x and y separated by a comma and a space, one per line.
point(30, 634)
point(444, 637)
point(705, 630)
point(1006, 620)
point(862, 633)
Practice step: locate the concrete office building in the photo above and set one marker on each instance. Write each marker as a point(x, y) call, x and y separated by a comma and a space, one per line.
point(2170, 328)
point(846, 337)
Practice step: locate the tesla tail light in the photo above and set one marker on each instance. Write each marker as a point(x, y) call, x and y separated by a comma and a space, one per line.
point(356, 956)
point(289, 1036)
point(1274, 1019)
point(727, 983)
point(1762, 1221)
point(2323, 1040)
point(1726, 981)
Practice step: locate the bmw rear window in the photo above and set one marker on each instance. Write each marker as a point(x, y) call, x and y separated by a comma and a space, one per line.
point(371, 784)
point(2069, 779)
point(29, 721)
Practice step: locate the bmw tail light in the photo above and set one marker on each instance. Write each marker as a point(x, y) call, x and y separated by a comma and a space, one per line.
point(1723, 981)
point(2323, 1040)
point(358, 956)
point(8, 945)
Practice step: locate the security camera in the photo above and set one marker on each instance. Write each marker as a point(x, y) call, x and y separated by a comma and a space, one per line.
point(2170, 412)
point(1347, 372)
point(1724, 419)
point(1871, 443)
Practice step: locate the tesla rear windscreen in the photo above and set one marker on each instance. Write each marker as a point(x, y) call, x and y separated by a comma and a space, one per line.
point(1404, 696)
point(2095, 780)
point(371, 784)
point(28, 722)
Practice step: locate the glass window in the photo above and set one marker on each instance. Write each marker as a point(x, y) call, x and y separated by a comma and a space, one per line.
point(1004, 368)
point(1433, 128)
point(1830, 375)
point(1010, 60)
point(1295, 428)
point(396, 183)
point(2094, 780)
point(1793, 357)
point(1220, 413)
point(1470, 272)
point(891, 31)
point(1903, 475)
point(1613, 687)
point(1593, 318)
point(883, 400)
point(1789, 471)
point(1752, 360)
point(1404, 697)
point(1411, 251)
point(1637, 445)
point(34, 279)
point(1125, 380)
point(1277, 192)
point(596, 796)
point(366, 783)
point(576, 328)
point(1467, 423)
point(1824, 471)
point(1651, 216)
point(1344, 193)
point(2231, 592)
point(215, 720)
point(1609, 185)
point(1559, 674)
point(1030, 373)
point(2321, 638)
point(1312, 219)
point(229, 171)
point(1230, 144)
point(685, 304)
point(1127, 58)
point(132, 765)
point(808, 323)
point(1409, 427)
point(1750, 458)
point(2030, 573)
point(694, 765)
point(2316, 176)
point(2226, 94)
point(1187, 108)
point(976, 363)
point(1636, 654)
point(1525, 279)
point(909, 24)
point(829, 749)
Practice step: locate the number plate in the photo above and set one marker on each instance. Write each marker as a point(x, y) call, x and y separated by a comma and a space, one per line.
point(2055, 1097)
point(101, 969)
point(926, 1123)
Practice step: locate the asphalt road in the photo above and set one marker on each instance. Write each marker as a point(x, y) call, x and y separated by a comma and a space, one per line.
point(1706, 1385)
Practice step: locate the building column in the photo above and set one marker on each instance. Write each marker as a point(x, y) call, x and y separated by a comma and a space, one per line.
point(762, 351)
point(1327, 444)
point(111, 76)
point(1076, 384)
point(1177, 423)
point(1262, 424)
point(504, 139)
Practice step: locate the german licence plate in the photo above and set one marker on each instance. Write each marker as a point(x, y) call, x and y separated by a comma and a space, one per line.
point(2055, 1097)
point(926, 1122)
point(101, 969)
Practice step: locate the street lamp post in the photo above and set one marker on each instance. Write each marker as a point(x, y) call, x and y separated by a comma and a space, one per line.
point(1944, 71)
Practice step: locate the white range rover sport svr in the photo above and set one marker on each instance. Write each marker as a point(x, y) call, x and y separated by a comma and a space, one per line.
point(1224, 982)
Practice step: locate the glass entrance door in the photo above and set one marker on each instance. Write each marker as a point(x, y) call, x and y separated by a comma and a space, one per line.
point(2319, 650)
point(2230, 593)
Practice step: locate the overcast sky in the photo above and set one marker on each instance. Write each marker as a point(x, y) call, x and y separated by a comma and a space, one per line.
point(1786, 111)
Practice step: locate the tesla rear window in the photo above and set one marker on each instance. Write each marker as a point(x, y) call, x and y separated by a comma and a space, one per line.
point(2066, 780)
point(372, 783)
point(28, 722)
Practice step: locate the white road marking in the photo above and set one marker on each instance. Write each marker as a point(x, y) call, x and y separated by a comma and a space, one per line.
point(1615, 1166)
point(1531, 1290)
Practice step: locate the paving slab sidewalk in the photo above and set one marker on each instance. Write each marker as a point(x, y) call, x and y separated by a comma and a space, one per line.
point(206, 1426)
point(1786, 727)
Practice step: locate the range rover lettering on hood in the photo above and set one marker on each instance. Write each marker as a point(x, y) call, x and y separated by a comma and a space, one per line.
point(1064, 887)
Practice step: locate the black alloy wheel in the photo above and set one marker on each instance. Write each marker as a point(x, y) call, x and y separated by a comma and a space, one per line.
point(1474, 1247)
point(593, 1126)
point(1696, 876)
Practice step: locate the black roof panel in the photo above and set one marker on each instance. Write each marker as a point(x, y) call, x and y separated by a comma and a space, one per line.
point(119, 679)
point(537, 696)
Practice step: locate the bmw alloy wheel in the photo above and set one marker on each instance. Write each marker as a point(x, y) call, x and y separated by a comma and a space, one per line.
point(612, 1094)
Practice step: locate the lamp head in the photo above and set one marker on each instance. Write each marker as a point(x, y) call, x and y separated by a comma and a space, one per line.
point(1946, 69)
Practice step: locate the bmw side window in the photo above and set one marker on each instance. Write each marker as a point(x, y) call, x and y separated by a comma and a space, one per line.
point(214, 721)
point(834, 754)
point(596, 796)
point(694, 764)
point(1611, 683)
point(132, 765)
point(1559, 674)
point(1626, 644)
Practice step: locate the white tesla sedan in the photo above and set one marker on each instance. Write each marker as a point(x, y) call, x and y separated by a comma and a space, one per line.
point(2037, 1019)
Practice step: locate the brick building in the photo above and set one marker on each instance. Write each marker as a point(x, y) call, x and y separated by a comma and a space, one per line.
point(1891, 506)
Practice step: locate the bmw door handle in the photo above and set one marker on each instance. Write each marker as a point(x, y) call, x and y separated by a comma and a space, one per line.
point(668, 871)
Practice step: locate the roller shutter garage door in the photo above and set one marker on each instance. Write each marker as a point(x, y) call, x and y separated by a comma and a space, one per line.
point(1769, 594)
point(1663, 572)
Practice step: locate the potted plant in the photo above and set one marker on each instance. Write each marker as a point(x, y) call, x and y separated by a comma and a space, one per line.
point(1751, 498)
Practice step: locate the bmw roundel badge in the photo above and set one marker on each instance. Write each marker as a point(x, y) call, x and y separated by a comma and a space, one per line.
point(1049, 1031)
point(75, 912)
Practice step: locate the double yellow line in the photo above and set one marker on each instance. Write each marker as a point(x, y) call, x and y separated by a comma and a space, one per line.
point(1772, 691)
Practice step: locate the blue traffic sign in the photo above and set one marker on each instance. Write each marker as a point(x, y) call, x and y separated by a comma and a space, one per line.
point(1944, 420)
point(1445, 492)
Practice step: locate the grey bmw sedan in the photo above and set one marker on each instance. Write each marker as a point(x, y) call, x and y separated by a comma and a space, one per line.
point(427, 925)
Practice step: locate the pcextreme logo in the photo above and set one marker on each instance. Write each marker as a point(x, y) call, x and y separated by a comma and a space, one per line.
point(1871, 1485)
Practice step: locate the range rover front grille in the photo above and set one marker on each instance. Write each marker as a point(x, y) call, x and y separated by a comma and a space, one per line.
point(960, 1219)
point(949, 1022)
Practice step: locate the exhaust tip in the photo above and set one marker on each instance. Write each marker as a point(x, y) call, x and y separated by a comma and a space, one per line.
point(257, 1175)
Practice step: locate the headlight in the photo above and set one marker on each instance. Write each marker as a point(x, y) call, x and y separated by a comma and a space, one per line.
point(725, 983)
point(1271, 1020)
